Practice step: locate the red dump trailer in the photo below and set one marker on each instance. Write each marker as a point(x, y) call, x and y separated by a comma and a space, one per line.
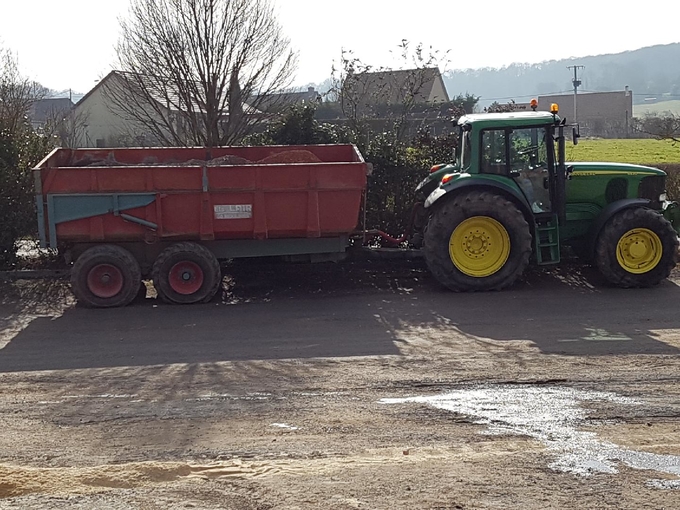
point(172, 213)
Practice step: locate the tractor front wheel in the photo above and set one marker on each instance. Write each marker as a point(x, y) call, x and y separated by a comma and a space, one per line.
point(477, 241)
point(636, 248)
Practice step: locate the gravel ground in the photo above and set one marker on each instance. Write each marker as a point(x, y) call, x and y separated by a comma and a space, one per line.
point(354, 385)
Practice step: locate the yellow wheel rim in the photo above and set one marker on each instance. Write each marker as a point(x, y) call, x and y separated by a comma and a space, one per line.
point(639, 250)
point(479, 246)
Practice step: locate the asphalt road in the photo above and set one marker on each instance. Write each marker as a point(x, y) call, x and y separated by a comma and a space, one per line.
point(346, 311)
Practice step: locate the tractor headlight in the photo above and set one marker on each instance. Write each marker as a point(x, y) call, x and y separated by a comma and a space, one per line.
point(663, 198)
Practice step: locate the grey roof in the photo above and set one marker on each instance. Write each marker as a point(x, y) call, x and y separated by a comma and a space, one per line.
point(389, 86)
point(46, 109)
point(171, 102)
point(278, 101)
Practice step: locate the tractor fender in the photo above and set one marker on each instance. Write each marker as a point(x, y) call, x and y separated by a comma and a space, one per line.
point(451, 189)
point(607, 213)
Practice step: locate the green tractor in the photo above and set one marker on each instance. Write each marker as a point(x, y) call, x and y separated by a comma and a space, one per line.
point(511, 199)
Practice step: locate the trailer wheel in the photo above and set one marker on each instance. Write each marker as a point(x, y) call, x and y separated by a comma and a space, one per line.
point(637, 248)
point(186, 273)
point(105, 276)
point(477, 241)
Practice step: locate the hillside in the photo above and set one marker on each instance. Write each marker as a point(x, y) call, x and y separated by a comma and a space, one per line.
point(646, 71)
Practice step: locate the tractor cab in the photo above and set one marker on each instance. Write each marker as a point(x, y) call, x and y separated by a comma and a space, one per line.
point(520, 155)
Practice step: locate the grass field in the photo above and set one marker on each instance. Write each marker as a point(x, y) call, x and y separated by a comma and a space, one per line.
point(625, 151)
point(673, 106)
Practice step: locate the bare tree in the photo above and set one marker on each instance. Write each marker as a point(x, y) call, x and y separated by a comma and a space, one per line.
point(68, 127)
point(663, 127)
point(396, 97)
point(497, 107)
point(195, 71)
point(17, 94)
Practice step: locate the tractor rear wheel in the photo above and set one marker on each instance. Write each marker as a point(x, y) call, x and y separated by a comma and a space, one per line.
point(636, 248)
point(105, 276)
point(477, 241)
point(186, 273)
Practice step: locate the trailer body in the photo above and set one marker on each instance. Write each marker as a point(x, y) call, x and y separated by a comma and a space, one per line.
point(152, 195)
point(232, 201)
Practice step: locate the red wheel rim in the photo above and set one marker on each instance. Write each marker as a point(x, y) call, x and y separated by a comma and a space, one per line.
point(186, 277)
point(105, 280)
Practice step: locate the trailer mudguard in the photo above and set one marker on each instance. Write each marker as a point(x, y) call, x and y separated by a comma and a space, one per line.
point(606, 214)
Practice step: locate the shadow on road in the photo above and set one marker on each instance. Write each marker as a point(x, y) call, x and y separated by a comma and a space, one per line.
point(276, 312)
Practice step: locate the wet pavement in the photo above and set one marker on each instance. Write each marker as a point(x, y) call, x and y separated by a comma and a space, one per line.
point(554, 416)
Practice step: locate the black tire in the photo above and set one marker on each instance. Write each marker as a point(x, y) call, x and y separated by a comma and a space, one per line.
point(105, 276)
point(450, 214)
point(191, 260)
point(622, 224)
point(141, 293)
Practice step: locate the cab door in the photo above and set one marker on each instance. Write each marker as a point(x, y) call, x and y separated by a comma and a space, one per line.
point(532, 167)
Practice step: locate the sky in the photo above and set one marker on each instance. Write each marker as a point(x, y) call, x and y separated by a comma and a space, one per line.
point(70, 43)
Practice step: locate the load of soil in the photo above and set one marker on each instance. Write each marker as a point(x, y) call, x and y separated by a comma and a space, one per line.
point(285, 157)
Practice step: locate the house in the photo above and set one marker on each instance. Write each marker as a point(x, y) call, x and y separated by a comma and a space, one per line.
point(599, 112)
point(276, 103)
point(49, 110)
point(116, 113)
point(606, 114)
point(102, 124)
point(421, 86)
point(411, 98)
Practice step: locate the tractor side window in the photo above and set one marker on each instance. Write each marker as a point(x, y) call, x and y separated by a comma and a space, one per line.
point(494, 159)
point(529, 162)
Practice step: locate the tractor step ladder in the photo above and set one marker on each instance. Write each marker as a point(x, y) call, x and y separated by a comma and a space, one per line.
point(547, 240)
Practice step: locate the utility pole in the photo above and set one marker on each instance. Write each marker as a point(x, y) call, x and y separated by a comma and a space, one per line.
point(577, 84)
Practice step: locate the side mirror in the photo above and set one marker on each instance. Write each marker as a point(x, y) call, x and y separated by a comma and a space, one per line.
point(575, 135)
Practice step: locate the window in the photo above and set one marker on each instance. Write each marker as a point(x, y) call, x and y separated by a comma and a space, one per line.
point(494, 152)
point(523, 155)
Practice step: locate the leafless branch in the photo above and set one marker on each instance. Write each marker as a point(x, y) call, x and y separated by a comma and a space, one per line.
point(195, 71)
point(69, 127)
point(365, 92)
point(662, 127)
point(17, 94)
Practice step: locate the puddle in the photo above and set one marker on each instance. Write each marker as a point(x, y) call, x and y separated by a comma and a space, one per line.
point(284, 426)
point(552, 416)
point(103, 396)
